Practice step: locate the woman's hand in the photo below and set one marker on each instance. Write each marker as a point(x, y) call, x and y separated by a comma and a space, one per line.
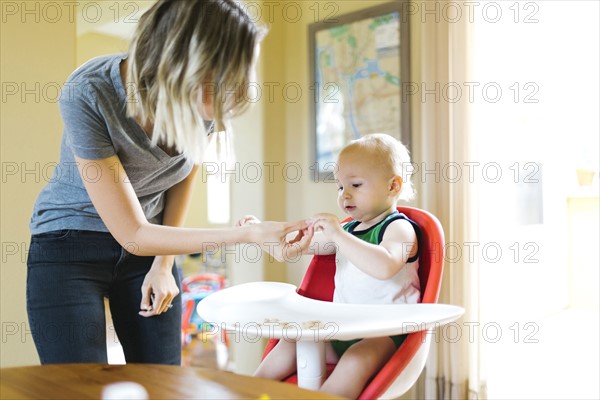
point(299, 245)
point(159, 288)
point(283, 240)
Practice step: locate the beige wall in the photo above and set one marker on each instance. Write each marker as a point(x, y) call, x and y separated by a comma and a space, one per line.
point(37, 57)
point(92, 44)
point(289, 43)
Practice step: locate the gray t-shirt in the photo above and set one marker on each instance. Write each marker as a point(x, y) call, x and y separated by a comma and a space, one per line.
point(93, 109)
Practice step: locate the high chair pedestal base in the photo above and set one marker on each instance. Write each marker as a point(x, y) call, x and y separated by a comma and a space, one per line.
point(310, 362)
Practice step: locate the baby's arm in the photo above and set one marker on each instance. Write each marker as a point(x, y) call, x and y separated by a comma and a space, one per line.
point(380, 261)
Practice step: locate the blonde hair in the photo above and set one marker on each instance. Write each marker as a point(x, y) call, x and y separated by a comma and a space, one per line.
point(181, 52)
point(391, 154)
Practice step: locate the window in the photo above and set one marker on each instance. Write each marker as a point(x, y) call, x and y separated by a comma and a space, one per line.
point(536, 122)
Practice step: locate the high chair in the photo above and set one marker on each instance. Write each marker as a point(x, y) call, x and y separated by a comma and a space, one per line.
point(403, 369)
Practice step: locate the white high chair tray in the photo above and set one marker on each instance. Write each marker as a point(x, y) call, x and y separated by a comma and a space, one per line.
point(276, 310)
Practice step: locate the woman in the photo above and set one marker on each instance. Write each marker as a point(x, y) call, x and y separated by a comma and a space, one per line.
point(109, 222)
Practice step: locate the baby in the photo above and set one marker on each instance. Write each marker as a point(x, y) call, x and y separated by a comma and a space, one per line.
point(376, 257)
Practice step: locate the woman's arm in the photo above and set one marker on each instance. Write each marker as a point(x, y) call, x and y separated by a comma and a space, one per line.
point(118, 206)
point(159, 287)
point(380, 261)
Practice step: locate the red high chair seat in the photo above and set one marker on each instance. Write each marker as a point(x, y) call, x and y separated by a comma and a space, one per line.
point(405, 366)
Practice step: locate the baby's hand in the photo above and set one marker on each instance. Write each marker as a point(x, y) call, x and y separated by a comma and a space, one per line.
point(326, 223)
point(247, 220)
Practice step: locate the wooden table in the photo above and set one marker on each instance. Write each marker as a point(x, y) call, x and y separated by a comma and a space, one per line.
point(86, 381)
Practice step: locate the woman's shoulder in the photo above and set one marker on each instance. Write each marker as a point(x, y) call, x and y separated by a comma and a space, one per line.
point(92, 79)
point(97, 67)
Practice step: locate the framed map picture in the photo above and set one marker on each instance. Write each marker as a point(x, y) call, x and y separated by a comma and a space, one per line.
point(359, 64)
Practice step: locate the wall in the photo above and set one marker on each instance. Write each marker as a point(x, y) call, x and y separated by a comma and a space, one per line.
point(274, 145)
point(92, 44)
point(305, 197)
point(38, 53)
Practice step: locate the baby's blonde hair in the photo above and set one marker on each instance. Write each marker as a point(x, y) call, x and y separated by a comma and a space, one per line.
point(391, 154)
point(178, 46)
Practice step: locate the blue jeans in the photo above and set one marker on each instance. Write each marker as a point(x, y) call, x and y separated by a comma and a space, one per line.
point(69, 273)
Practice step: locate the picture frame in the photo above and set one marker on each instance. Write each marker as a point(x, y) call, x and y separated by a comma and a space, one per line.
point(360, 68)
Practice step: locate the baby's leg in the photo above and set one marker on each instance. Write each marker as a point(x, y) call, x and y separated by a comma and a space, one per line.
point(279, 363)
point(357, 365)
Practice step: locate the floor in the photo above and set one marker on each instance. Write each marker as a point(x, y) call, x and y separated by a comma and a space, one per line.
point(201, 350)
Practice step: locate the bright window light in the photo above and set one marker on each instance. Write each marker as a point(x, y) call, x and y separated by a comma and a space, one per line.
point(218, 199)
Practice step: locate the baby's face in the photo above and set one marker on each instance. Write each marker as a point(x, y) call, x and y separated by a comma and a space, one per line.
point(364, 187)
